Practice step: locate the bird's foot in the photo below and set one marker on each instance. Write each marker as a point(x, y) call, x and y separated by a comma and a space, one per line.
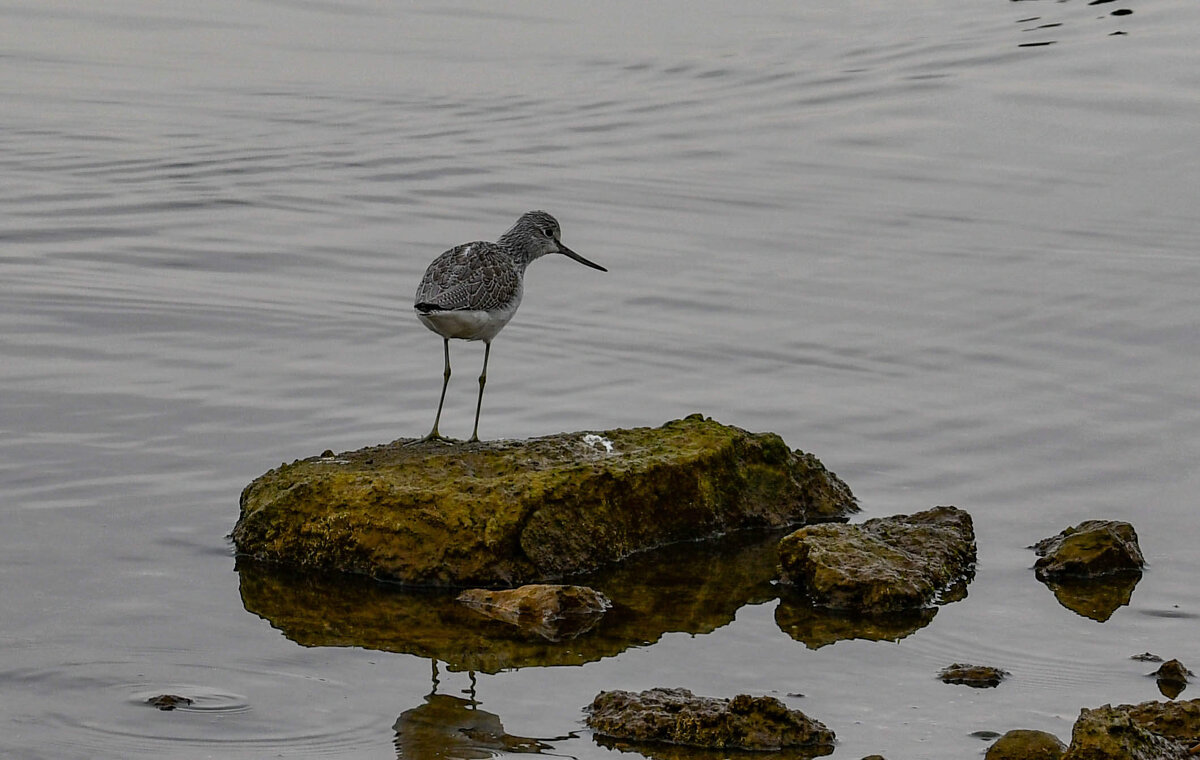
point(433, 436)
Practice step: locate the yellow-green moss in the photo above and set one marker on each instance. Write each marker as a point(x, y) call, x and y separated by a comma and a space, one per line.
point(510, 512)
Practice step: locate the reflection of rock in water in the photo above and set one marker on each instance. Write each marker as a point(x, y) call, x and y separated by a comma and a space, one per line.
point(694, 587)
point(1096, 599)
point(815, 627)
point(554, 612)
point(452, 728)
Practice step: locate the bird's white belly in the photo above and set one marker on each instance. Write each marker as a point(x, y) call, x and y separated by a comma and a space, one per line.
point(467, 324)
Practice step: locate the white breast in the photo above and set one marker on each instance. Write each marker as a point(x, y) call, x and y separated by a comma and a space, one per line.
point(469, 324)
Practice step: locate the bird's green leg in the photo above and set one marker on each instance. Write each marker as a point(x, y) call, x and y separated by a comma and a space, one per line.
point(487, 349)
point(434, 435)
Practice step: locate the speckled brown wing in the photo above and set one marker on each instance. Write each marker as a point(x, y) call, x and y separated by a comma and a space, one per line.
point(470, 276)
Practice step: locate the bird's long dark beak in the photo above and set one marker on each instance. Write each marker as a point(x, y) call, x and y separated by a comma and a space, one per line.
point(565, 250)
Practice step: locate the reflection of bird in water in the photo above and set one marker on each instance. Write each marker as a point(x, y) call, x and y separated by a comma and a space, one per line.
point(447, 727)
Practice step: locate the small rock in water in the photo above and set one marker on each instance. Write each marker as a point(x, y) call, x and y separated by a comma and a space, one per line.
point(553, 612)
point(883, 565)
point(1146, 657)
point(677, 716)
point(978, 676)
point(1173, 670)
point(1092, 548)
point(1172, 678)
point(1025, 744)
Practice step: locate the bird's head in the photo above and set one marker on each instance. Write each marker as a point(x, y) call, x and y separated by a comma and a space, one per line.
point(536, 234)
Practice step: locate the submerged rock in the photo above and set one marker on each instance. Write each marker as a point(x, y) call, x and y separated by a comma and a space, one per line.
point(885, 564)
point(1026, 744)
point(977, 676)
point(512, 512)
point(677, 716)
point(1092, 548)
point(554, 612)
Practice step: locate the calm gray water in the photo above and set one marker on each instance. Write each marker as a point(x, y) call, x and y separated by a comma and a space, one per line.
point(956, 263)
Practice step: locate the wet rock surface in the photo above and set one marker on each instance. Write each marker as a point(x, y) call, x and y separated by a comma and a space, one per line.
point(1178, 721)
point(677, 716)
point(978, 676)
point(1026, 744)
point(510, 512)
point(1131, 732)
point(1091, 549)
point(885, 564)
point(554, 612)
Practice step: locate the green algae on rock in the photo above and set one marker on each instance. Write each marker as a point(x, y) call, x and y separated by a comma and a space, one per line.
point(512, 512)
point(1091, 549)
point(885, 564)
point(677, 716)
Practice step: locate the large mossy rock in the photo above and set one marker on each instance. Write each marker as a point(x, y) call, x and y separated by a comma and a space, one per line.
point(887, 564)
point(512, 512)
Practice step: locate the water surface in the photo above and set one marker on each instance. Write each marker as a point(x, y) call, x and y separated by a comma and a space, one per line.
point(948, 248)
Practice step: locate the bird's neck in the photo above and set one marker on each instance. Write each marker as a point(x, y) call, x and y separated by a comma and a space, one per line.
point(520, 258)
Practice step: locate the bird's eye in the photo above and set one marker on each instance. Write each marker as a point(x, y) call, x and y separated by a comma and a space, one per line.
point(548, 232)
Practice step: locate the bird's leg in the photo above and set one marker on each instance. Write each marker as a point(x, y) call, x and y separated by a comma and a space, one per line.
point(434, 435)
point(487, 349)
